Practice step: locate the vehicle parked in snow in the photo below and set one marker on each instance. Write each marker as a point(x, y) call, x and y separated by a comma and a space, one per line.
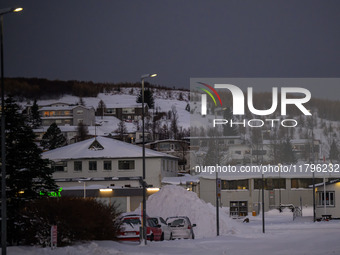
point(181, 227)
point(166, 230)
point(130, 230)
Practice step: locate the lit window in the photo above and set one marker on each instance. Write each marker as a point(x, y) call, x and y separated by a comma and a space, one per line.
point(235, 184)
point(304, 183)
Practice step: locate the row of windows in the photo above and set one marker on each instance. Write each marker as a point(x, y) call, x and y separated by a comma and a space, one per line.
point(168, 165)
point(58, 121)
point(235, 184)
point(124, 110)
point(270, 183)
point(330, 198)
point(56, 113)
point(128, 110)
point(93, 166)
point(205, 143)
point(78, 165)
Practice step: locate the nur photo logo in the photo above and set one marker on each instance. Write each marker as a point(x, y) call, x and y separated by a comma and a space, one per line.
point(238, 107)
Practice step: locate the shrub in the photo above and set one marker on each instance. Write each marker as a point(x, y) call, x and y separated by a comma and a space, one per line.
point(77, 219)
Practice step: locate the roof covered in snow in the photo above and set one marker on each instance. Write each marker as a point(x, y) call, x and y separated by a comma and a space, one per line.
point(101, 147)
point(124, 105)
point(62, 108)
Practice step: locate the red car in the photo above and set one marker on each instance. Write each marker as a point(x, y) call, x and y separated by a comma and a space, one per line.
point(131, 226)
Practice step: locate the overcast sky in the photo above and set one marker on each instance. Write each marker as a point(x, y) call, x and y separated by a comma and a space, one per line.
point(118, 41)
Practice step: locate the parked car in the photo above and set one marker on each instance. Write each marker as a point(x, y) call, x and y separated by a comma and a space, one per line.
point(131, 228)
point(166, 230)
point(181, 227)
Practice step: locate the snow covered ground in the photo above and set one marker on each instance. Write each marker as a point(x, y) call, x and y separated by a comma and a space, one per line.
point(282, 235)
point(109, 124)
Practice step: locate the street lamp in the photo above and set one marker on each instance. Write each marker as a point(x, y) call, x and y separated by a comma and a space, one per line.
point(3, 142)
point(144, 76)
point(84, 183)
point(314, 214)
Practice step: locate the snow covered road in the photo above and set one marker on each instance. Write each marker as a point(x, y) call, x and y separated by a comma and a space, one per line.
point(283, 236)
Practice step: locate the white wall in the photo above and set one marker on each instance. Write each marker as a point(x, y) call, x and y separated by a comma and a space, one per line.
point(154, 169)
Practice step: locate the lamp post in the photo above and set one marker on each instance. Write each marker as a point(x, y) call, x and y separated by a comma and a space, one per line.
point(84, 182)
point(263, 221)
point(144, 76)
point(3, 142)
point(314, 214)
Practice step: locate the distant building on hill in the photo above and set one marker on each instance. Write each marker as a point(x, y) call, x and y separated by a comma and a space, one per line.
point(67, 114)
point(126, 111)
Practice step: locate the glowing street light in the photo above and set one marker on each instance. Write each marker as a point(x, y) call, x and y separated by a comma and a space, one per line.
point(144, 76)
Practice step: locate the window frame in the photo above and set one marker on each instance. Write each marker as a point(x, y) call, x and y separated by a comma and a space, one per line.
point(131, 168)
point(235, 184)
point(105, 162)
point(320, 202)
point(74, 166)
point(95, 164)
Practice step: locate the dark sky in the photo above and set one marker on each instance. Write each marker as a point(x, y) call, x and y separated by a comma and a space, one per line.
point(117, 41)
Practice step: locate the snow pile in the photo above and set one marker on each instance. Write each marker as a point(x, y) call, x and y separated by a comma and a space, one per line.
point(173, 200)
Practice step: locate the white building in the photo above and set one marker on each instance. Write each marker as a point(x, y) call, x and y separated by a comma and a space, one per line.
point(291, 187)
point(85, 168)
point(328, 199)
point(105, 157)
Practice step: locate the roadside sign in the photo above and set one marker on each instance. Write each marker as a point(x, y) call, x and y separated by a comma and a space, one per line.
point(218, 183)
point(54, 236)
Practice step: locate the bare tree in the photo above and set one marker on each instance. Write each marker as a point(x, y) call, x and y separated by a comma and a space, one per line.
point(121, 130)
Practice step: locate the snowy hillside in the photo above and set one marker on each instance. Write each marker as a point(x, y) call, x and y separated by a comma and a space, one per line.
point(164, 101)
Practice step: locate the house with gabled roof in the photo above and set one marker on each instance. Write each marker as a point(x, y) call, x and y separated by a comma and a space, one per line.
point(102, 158)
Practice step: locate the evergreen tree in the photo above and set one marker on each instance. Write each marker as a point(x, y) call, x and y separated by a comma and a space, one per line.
point(148, 98)
point(53, 138)
point(174, 122)
point(35, 116)
point(287, 154)
point(334, 152)
point(227, 129)
point(81, 101)
point(82, 132)
point(27, 172)
point(101, 108)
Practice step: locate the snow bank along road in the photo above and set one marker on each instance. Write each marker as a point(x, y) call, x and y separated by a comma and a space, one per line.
point(281, 238)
